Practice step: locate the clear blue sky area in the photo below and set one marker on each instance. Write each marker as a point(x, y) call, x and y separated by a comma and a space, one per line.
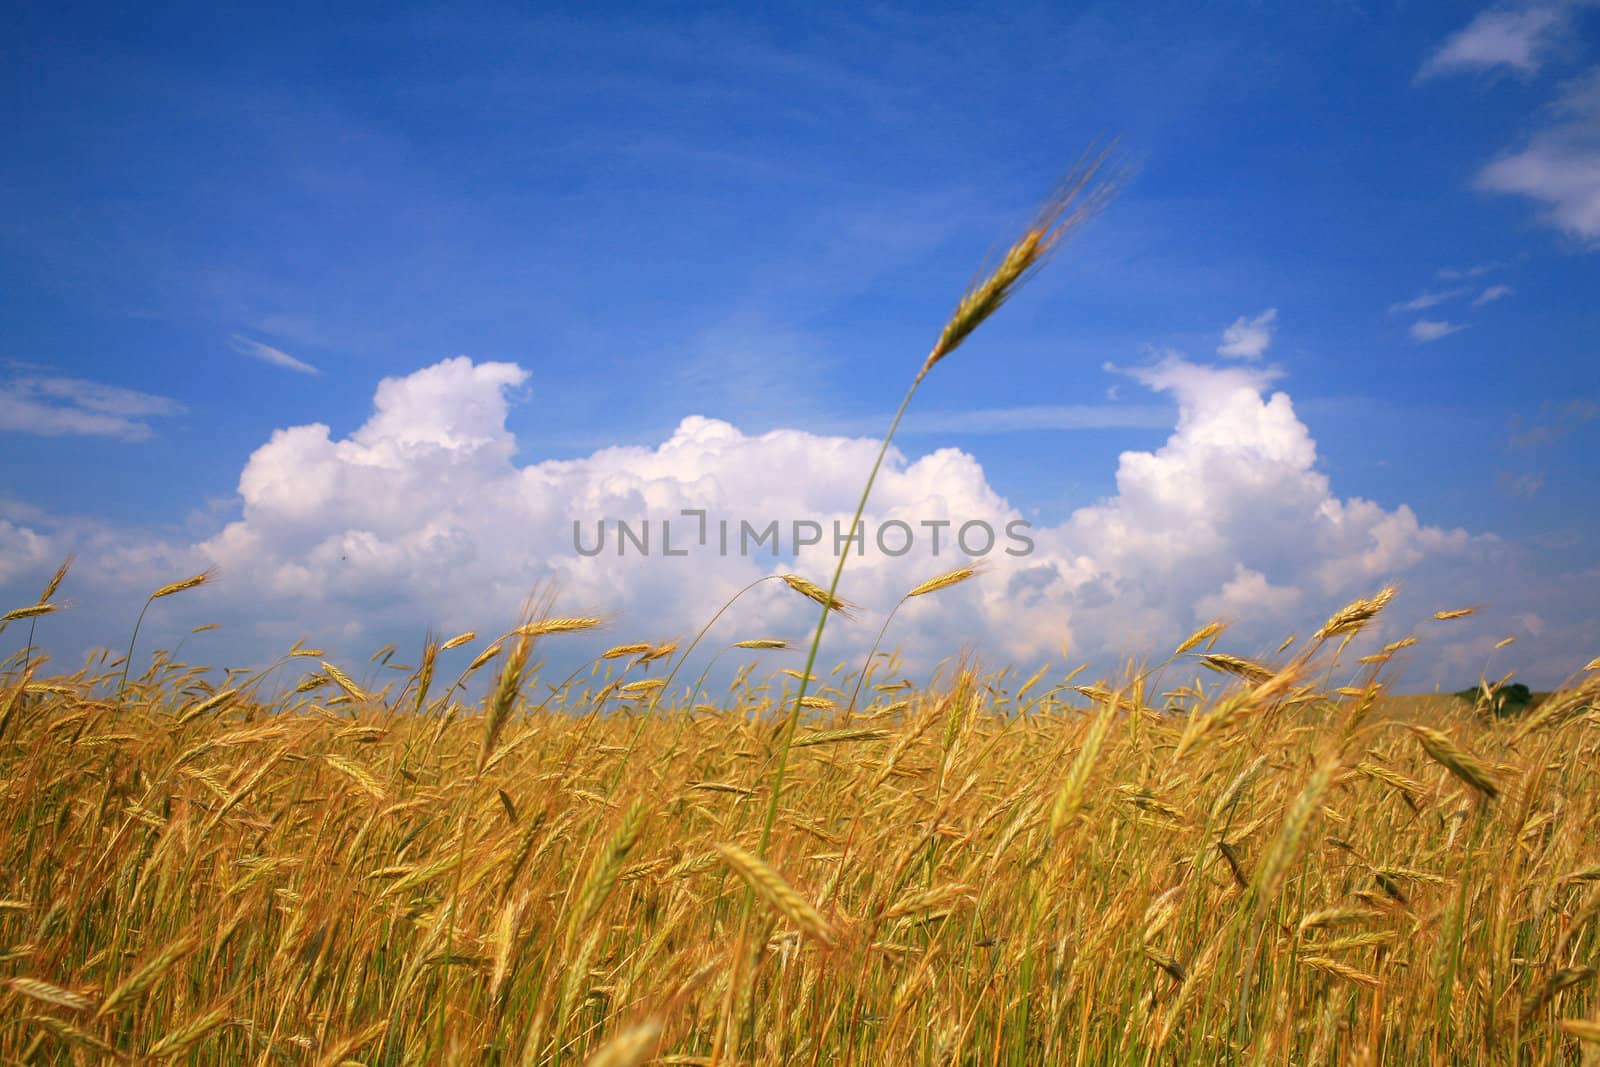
point(219, 223)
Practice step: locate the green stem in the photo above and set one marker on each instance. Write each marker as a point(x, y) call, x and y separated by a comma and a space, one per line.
point(27, 653)
point(811, 661)
point(867, 665)
point(822, 621)
point(644, 717)
point(701, 681)
point(450, 927)
point(590, 666)
point(128, 660)
point(703, 631)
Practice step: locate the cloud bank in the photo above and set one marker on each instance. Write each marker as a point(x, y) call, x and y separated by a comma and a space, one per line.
point(424, 516)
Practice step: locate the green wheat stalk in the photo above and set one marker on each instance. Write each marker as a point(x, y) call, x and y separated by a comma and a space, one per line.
point(1080, 194)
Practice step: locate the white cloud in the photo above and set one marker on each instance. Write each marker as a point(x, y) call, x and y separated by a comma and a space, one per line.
point(424, 517)
point(1425, 330)
point(22, 550)
point(1532, 624)
point(1248, 338)
point(1233, 494)
point(1526, 484)
point(1568, 182)
point(1248, 595)
point(1552, 423)
point(1560, 167)
point(1423, 301)
point(1499, 38)
point(1477, 270)
point(1491, 294)
point(268, 354)
point(52, 406)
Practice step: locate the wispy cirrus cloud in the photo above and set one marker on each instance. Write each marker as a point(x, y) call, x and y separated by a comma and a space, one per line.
point(1477, 270)
point(1526, 484)
point(1560, 165)
point(52, 406)
point(1248, 338)
point(1500, 38)
point(267, 354)
point(1423, 301)
point(1491, 294)
point(1552, 423)
point(1425, 330)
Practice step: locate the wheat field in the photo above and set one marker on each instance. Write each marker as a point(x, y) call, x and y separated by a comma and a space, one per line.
point(989, 869)
point(1215, 860)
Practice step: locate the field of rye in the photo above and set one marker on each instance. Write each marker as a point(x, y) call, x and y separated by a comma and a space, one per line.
point(989, 870)
point(1278, 863)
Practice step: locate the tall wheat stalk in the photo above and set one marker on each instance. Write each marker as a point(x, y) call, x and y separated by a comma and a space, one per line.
point(1080, 194)
point(171, 589)
point(932, 585)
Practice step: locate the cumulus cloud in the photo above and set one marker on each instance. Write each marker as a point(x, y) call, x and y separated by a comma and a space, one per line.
point(22, 550)
point(425, 516)
point(51, 406)
point(267, 354)
point(1560, 166)
point(1231, 504)
point(424, 510)
point(1248, 595)
point(1248, 338)
point(1425, 330)
point(1520, 40)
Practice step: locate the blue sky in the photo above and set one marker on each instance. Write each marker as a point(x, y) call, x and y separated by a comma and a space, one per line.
point(215, 226)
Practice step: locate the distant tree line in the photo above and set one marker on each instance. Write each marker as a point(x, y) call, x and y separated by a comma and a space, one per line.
point(1501, 702)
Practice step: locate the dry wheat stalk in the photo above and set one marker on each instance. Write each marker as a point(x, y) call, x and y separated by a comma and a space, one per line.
point(47, 993)
point(1456, 760)
point(812, 591)
point(192, 582)
point(1342, 970)
point(772, 888)
point(563, 625)
point(343, 681)
point(1349, 620)
point(946, 580)
point(458, 640)
point(631, 1048)
point(1073, 202)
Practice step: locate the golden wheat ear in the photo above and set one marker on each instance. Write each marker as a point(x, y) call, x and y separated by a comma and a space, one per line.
point(946, 580)
point(1081, 193)
point(813, 591)
point(192, 582)
point(170, 589)
point(56, 579)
